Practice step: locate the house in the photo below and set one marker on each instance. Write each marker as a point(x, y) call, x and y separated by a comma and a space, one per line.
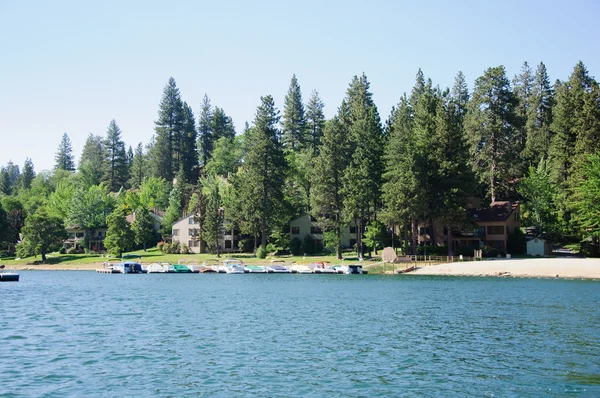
point(77, 236)
point(494, 224)
point(539, 247)
point(187, 229)
point(307, 225)
point(156, 215)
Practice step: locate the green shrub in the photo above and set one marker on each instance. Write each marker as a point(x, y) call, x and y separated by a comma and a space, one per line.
point(308, 246)
point(271, 248)
point(175, 247)
point(434, 250)
point(261, 253)
point(74, 250)
point(160, 245)
point(488, 251)
point(24, 249)
point(590, 250)
point(184, 249)
point(296, 246)
point(246, 245)
point(165, 247)
point(516, 242)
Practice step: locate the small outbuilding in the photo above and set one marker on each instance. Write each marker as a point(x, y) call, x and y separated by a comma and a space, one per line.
point(539, 247)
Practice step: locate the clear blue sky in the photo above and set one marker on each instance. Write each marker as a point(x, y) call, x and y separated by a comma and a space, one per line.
point(72, 66)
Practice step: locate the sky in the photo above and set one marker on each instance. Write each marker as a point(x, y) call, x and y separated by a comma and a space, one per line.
point(73, 66)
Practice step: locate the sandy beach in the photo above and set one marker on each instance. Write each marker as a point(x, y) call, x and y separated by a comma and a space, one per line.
point(565, 267)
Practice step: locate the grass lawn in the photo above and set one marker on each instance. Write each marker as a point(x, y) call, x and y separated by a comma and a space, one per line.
point(154, 256)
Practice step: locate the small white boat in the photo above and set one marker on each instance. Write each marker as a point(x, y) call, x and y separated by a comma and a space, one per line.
point(231, 266)
point(321, 267)
point(158, 268)
point(126, 267)
point(300, 268)
point(278, 267)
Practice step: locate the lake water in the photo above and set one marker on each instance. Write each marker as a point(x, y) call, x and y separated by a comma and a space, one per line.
point(85, 334)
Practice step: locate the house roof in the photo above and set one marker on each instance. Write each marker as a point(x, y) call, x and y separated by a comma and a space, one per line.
point(497, 211)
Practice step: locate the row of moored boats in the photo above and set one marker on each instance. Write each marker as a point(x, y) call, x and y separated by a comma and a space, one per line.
point(233, 266)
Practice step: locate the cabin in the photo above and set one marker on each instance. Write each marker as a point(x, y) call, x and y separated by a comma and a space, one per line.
point(76, 237)
point(307, 225)
point(493, 225)
point(539, 247)
point(187, 229)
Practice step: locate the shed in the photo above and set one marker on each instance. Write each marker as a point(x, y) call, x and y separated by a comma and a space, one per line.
point(539, 247)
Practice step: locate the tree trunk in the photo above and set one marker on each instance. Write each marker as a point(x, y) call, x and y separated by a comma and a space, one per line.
point(450, 241)
point(414, 236)
point(359, 248)
point(338, 242)
point(43, 256)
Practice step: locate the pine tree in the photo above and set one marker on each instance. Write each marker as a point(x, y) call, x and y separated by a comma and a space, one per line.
point(326, 194)
point(264, 168)
point(418, 89)
point(221, 126)
point(205, 135)
point(173, 212)
point(169, 127)
point(119, 237)
point(569, 102)
point(523, 90)
point(138, 167)
point(92, 162)
point(293, 120)
point(212, 227)
point(5, 186)
point(362, 177)
point(315, 122)
point(188, 147)
point(493, 137)
point(116, 172)
point(64, 155)
point(142, 227)
point(539, 119)
point(28, 174)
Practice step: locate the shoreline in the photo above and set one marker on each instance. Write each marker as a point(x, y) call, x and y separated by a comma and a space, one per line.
point(565, 267)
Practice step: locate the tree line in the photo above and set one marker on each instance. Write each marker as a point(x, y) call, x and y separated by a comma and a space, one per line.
point(525, 139)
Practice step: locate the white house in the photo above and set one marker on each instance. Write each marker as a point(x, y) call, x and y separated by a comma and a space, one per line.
point(539, 247)
point(307, 225)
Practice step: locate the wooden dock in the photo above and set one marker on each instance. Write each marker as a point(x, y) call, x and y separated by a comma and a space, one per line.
point(107, 271)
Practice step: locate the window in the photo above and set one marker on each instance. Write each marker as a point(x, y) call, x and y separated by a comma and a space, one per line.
point(352, 242)
point(79, 234)
point(295, 230)
point(318, 244)
point(517, 216)
point(175, 232)
point(353, 231)
point(193, 232)
point(227, 244)
point(194, 243)
point(315, 230)
point(495, 229)
point(192, 220)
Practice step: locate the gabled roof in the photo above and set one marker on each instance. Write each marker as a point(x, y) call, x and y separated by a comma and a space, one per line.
point(497, 211)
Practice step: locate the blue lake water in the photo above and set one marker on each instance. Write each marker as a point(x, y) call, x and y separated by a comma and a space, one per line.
point(80, 333)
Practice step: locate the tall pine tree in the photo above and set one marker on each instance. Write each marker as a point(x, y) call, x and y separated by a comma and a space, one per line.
point(116, 173)
point(64, 155)
point(294, 120)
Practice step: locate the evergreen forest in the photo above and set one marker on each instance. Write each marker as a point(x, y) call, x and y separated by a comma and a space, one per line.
point(523, 139)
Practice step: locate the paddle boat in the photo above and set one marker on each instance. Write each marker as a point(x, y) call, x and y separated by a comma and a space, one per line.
point(322, 267)
point(278, 267)
point(300, 268)
point(168, 268)
point(255, 269)
point(207, 266)
point(231, 266)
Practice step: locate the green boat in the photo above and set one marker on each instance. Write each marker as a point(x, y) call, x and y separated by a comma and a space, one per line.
point(180, 268)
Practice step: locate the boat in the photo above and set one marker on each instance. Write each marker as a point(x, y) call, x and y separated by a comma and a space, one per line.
point(300, 268)
point(356, 269)
point(322, 267)
point(126, 267)
point(8, 276)
point(231, 266)
point(341, 269)
point(168, 268)
point(278, 267)
point(207, 266)
point(255, 269)
point(158, 268)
